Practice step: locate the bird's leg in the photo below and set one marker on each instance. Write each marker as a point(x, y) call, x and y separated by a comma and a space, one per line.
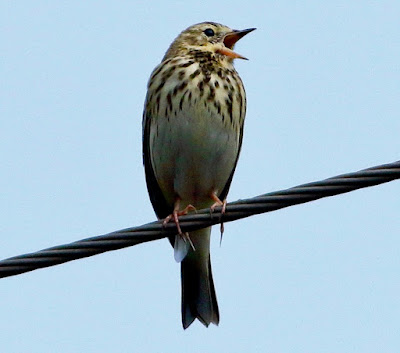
point(218, 202)
point(175, 216)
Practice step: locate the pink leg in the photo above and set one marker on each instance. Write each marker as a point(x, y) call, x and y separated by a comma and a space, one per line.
point(175, 216)
point(217, 203)
point(176, 213)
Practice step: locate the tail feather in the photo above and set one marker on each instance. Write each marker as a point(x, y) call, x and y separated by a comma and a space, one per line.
point(198, 293)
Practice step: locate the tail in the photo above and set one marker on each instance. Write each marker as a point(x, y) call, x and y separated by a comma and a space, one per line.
point(198, 292)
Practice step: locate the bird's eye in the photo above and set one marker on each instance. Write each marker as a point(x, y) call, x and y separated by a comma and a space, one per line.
point(209, 32)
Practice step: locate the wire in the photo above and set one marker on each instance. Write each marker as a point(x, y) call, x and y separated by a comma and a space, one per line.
point(203, 218)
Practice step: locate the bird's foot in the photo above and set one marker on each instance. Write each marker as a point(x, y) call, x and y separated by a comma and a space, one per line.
point(182, 240)
point(176, 213)
point(218, 202)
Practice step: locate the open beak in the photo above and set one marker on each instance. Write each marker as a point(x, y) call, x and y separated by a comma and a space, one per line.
point(229, 41)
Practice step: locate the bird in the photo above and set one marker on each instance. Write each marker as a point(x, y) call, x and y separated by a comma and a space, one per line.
point(193, 122)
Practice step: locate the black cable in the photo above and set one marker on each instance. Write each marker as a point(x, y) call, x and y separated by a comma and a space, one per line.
point(203, 218)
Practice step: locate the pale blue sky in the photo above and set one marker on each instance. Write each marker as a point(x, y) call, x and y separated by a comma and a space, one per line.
point(323, 99)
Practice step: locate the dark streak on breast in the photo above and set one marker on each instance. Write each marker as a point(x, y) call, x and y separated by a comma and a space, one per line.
point(194, 74)
point(183, 85)
point(217, 105)
point(182, 100)
point(211, 95)
point(240, 100)
point(155, 73)
point(200, 86)
point(186, 64)
point(168, 73)
point(228, 102)
point(181, 74)
point(157, 103)
point(169, 101)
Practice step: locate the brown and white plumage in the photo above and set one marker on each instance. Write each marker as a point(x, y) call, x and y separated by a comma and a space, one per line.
point(192, 135)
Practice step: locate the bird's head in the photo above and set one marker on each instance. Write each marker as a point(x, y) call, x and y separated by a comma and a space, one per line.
point(207, 37)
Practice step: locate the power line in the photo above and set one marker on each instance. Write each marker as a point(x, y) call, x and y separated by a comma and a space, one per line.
point(203, 218)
